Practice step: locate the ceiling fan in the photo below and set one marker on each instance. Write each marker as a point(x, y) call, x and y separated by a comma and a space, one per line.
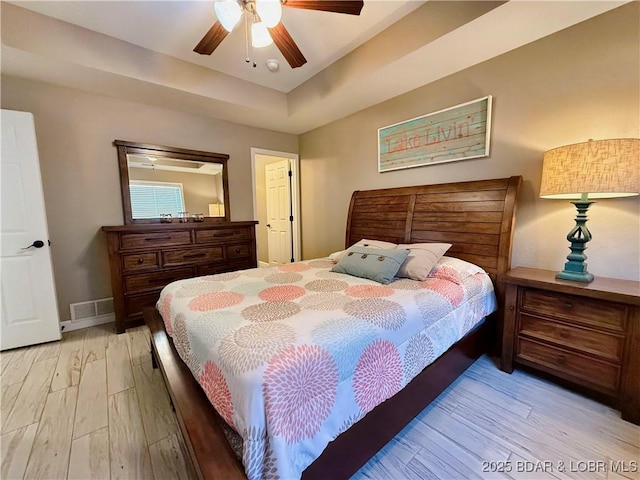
point(266, 27)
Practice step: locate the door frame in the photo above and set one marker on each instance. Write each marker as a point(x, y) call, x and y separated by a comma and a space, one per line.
point(294, 164)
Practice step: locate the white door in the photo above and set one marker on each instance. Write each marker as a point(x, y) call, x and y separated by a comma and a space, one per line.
point(27, 294)
point(278, 212)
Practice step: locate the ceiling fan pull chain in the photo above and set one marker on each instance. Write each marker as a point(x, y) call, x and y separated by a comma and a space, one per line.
point(246, 38)
point(246, 41)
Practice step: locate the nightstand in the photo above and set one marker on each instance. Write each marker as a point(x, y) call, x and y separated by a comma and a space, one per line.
point(587, 334)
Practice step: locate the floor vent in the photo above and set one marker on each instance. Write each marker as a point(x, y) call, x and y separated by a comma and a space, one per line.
point(91, 309)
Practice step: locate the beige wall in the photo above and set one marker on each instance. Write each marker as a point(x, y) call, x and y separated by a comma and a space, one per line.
point(578, 84)
point(75, 131)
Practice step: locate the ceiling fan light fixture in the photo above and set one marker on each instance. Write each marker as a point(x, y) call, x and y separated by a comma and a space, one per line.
point(270, 12)
point(260, 35)
point(228, 13)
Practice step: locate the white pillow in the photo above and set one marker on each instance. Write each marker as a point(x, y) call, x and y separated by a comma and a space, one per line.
point(337, 256)
point(422, 258)
point(455, 269)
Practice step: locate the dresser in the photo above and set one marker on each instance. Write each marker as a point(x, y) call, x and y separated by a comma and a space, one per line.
point(587, 334)
point(143, 258)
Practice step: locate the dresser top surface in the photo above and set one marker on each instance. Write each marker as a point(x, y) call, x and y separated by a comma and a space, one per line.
point(160, 227)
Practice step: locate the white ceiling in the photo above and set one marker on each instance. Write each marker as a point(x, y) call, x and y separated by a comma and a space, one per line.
point(142, 51)
point(175, 27)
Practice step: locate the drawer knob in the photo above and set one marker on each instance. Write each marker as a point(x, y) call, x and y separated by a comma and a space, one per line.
point(567, 305)
point(140, 261)
point(561, 360)
point(237, 250)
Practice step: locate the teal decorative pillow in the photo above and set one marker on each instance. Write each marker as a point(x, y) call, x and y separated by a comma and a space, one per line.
point(337, 256)
point(377, 264)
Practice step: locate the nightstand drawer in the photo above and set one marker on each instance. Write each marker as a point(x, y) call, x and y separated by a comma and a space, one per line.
point(602, 376)
point(574, 309)
point(172, 258)
point(588, 340)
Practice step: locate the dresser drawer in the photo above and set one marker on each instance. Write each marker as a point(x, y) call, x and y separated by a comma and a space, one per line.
point(154, 239)
point(139, 261)
point(606, 345)
point(238, 251)
point(602, 376)
point(141, 282)
point(135, 304)
point(222, 234)
point(192, 255)
point(573, 309)
point(224, 267)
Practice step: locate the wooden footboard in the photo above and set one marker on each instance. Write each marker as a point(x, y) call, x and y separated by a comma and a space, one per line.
point(212, 455)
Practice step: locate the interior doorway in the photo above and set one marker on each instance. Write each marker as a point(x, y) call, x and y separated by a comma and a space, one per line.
point(282, 236)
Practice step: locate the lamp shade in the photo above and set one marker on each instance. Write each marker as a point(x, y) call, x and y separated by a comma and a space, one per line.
point(216, 210)
point(599, 168)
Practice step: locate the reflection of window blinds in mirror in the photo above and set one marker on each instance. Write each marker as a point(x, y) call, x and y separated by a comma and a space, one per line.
point(151, 199)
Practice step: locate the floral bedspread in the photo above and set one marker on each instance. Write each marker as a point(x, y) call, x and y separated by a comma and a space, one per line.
point(292, 356)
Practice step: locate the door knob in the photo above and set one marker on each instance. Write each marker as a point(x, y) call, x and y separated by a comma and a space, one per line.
point(36, 244)
point(268, 225)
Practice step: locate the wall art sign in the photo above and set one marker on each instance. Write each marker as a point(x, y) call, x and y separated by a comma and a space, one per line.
point(455, 133)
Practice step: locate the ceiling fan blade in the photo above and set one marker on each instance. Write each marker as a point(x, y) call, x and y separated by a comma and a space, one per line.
point(287, 46)
point(211, 40)
point(350, 7)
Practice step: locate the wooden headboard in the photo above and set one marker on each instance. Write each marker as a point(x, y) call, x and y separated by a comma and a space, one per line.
point(477, 218)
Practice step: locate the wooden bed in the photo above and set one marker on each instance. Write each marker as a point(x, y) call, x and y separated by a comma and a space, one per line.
point(477, 218)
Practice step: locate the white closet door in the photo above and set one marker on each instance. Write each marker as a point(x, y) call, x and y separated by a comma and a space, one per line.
point(278, 212)
point(27, 293)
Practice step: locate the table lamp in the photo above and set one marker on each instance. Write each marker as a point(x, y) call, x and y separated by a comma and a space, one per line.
point(585, 171)
point(216, 209)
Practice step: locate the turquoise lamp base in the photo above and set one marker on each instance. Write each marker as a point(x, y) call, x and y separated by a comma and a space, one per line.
point(575, 268)
point(585, 277)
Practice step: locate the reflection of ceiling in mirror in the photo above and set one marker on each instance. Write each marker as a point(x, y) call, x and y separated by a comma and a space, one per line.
point(176, 165)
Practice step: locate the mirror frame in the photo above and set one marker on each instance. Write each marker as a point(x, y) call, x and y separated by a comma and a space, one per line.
point(125, 148)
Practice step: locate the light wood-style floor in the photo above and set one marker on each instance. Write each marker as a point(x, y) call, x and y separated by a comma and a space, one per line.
point(91, 406)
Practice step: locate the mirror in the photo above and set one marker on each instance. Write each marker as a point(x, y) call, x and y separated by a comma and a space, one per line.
point(167, 184)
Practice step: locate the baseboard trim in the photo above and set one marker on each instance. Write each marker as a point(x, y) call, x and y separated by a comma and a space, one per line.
point(263, 264)
point(86, 323)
